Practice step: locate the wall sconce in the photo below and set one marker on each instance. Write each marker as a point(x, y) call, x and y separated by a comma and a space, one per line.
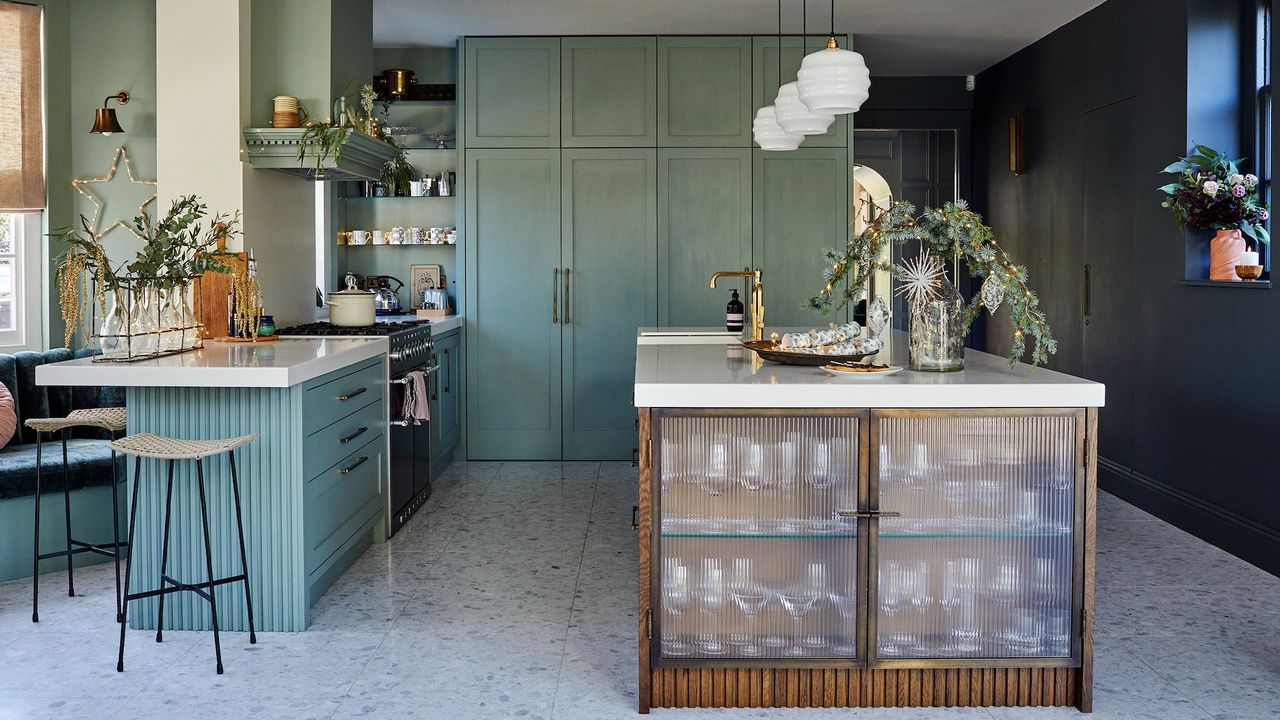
point(104, 118)
point(1017, 155)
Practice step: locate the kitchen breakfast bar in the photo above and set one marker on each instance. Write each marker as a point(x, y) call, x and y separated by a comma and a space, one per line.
point(911, 539)
point(312, 485)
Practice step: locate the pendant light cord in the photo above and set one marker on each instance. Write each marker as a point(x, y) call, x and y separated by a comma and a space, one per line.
point(780, 43)
point(833, 18)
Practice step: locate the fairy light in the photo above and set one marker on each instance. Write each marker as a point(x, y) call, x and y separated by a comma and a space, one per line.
point(80, 183)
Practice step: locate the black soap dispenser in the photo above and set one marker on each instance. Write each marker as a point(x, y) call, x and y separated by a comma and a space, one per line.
point(734, 314)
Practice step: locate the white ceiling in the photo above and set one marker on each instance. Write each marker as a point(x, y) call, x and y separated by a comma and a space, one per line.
point(898, 37)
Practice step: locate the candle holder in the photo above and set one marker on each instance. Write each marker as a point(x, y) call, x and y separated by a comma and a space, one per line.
point(1248, 273)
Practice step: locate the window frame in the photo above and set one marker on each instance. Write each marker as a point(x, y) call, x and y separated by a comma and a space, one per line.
point(28, 284)
point(1258, 111)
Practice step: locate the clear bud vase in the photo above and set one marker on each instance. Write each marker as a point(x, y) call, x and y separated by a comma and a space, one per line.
point(937, 331)
point(115, 326)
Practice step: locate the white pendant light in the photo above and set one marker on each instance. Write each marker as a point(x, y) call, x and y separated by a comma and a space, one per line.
point(833, 80)
point(794, 117)
point(769, 135)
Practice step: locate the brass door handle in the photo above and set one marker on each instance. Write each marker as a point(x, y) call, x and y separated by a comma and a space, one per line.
point(353, 435)
point(353, 393)
point(555, 295)
point(1088, 291)
point(868, 513)
point(566, 296)
point(355, 465)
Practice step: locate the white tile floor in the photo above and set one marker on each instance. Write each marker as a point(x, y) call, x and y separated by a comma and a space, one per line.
point(514, 596)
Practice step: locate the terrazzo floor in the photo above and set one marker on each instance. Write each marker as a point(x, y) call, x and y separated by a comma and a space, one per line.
point(513, 595)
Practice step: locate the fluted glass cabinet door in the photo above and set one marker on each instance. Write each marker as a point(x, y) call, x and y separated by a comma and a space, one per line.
point(756, 552)
point(980, 563)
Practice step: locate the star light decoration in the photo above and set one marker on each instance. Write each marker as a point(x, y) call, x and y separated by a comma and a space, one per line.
point(921, 277)
point(80, 183)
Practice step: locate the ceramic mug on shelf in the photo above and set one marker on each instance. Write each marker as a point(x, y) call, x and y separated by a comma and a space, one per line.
point(359, 237)
point(417, 188)
point(417, 236)
point(287, 113)
point(396, 236)
point(435, 236)
point(379, 237)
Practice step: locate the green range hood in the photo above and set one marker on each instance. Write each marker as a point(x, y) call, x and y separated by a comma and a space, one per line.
point(360, 158)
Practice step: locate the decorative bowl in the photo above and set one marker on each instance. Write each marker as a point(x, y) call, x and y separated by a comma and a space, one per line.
point(773, 352)
point(1249, 273)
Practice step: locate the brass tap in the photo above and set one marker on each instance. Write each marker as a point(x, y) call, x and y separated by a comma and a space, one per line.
point(757, 297)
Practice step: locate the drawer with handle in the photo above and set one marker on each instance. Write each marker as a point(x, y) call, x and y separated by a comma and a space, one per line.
point(346, 392)
point(325, 447)
point(339, 500)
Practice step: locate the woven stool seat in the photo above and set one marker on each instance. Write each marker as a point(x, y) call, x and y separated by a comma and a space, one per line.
point(113, 419)
point(171, 448)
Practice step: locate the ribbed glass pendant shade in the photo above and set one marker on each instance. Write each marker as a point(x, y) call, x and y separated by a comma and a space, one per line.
point(833, 80)
point(769, 135)
point(794, 117)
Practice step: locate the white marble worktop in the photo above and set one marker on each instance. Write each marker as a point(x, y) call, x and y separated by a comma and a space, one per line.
point(687, 371)
point(440, 326)
point(281, 363)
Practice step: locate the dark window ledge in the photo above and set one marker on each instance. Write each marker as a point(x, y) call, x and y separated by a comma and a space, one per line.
point(1255, 285)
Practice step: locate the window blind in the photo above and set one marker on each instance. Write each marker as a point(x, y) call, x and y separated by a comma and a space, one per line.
point(22, 127)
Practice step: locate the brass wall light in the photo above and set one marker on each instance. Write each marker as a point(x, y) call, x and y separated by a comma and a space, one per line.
point(104, 118)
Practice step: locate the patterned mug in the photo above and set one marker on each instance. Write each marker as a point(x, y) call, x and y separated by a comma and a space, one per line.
point(417, 235)
point(396, 236)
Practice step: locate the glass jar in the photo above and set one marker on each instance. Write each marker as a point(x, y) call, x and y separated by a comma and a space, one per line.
point(144, 333)
point(115, 324)
point(937, 331)
point(170, 318)
point(190, 323)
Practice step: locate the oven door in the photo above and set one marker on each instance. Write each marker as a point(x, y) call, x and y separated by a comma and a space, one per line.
point(410, 452)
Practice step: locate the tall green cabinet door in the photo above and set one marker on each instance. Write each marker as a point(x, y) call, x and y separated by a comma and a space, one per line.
point(610, 249)
point(704, 92)
point(608, 87)
point(513, 284)
point(704, 225)
point(801, 208)
point(765, 83)
point(511, 92)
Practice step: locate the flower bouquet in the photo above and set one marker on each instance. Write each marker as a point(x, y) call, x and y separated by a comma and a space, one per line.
point(1212, 194)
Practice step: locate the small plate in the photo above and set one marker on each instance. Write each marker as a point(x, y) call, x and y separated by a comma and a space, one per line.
point(836, 371)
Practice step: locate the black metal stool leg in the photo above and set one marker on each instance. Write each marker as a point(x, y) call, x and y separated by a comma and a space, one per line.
point(35, 549)
point(208, 564)
point(66, 504)
point(164, 553)
point(115, 527)
point(128, 561)
point(244, 562)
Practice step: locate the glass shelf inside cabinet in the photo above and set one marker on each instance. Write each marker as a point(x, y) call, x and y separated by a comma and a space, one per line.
point(980, 564)
point(755, 561)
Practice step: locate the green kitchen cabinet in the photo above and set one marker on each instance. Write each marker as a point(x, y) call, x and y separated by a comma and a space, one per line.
point(609, 238)
point(513, 287)
point(449, 383)
point(800, 208)
point(512, 92)
point(765, 83)
point(704, 92)
point(608, 91)
point(704, 225)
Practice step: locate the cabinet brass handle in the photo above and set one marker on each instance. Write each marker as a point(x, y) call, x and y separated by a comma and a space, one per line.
point(448, 378)
point(1088, 291)
point(566, 296)
point(353, 435)
point(555, 295)
point(357, 464)
point(868, 513)
point(353, 393)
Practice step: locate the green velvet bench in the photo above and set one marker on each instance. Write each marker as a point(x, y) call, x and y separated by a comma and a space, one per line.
point(88, 458)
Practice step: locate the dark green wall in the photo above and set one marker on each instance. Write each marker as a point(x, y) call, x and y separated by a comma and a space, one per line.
point(1188, 431)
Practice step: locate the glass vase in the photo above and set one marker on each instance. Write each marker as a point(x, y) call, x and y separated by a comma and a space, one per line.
point(170, 320)
point(937, 331)
point(144, 333)
point(190, 325)
point(115, 324)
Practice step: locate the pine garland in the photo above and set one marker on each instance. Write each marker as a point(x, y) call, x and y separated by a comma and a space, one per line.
point(951, 231)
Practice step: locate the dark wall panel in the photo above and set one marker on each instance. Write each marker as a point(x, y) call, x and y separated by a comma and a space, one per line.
point(1189, 433)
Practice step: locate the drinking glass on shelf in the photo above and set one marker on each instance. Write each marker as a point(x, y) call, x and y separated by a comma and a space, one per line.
point(1006, 583)
point(1027, 511)
point(1044, 587)
point(786, 474)
point(816, 580)
point(799, 599)
point(898, 586)
point(675, 601)
point(711, 601)
point(670, 460)
point(714, 480)
point(751, 474)
point(1057, 636)
point(750, 597)
point(845, 601)
point(819, 474)
point(1025, 635)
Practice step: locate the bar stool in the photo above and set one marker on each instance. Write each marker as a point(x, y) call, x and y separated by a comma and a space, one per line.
point(113, 421)
point(147, 445)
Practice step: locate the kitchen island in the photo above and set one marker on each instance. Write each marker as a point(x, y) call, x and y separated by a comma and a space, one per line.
point(313, 486)
point(914, 539)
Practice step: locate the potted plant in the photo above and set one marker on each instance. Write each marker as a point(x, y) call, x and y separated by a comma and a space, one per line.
point(1212, 194)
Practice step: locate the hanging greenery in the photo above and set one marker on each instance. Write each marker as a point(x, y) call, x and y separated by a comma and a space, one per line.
point(950, 231)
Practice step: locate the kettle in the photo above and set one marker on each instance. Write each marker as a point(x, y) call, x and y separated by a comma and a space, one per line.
point(386, 299)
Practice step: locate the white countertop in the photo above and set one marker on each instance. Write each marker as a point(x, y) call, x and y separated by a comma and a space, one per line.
point(440, 326)
point(689, 372)
point(281, 363)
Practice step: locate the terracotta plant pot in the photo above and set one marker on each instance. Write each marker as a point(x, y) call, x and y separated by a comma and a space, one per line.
point(1224, 255)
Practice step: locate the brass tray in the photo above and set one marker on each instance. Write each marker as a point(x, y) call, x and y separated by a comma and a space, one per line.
point(770, 351)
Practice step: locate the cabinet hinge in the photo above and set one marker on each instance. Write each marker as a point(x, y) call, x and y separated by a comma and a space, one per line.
point(649, 619)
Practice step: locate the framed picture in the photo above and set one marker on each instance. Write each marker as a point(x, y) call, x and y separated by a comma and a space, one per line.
point(424, 277)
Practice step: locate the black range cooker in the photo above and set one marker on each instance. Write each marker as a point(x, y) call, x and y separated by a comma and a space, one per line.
point(410, 348)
